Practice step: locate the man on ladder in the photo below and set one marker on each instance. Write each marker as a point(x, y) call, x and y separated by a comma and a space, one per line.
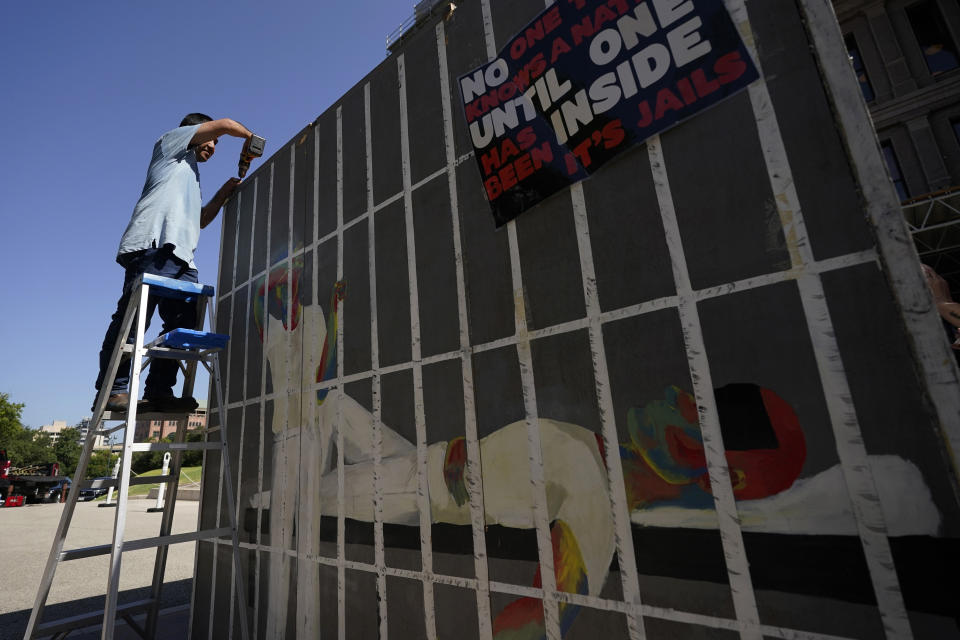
point(161, 239)
point(157, 253)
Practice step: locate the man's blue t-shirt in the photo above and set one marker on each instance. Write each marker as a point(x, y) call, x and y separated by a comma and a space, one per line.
point(168, 211)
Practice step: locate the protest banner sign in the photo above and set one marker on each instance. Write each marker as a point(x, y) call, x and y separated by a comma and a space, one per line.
point(587, 79)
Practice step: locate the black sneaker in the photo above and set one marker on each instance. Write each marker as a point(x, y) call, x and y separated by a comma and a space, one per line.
point(168, 404)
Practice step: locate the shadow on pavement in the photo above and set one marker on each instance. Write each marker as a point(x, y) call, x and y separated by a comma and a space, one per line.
point(174, 603)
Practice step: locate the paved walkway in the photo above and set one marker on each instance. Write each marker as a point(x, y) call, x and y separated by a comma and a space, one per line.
point(27, 532)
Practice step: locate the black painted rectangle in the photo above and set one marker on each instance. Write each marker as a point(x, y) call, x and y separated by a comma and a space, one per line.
point(362, 603)
point(393, 289)
point(267, 479)
point(326, 132)
point(228, 248)
point(261, 220)
point(497, 388)
point(563, 373)
point(385, 131)
point(280, 206)
point(254, 340)
point(210, 485)
point(329, 609)
point(456, 612)
point(726, 211)
point(436, 269)
point(304, 172)
point(326, 257)
point(202, 586)
point(237, 351)
point(250, 466)
point(550, 263)
point(356, 308)
point(354, 154)
point(486, 264)
point(424, 106)
point(247, 200)
point(405, 614)
point(223, 564)
point(629, 249)
point(233, 428)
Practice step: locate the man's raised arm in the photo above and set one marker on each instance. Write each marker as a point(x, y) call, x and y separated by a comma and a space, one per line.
point(216, 128)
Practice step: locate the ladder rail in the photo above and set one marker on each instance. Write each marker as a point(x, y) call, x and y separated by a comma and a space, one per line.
point(238, 582)
point(141, 356)
point(66, 517)
point(120, 519)
point(170, 502)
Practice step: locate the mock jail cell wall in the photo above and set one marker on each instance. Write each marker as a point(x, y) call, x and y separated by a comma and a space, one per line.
point(701, 393)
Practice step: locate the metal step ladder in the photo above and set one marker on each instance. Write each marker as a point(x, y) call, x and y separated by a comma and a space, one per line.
point(189, 347)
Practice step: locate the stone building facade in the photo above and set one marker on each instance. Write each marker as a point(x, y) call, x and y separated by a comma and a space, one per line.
point(907, 58)
point(159, 429)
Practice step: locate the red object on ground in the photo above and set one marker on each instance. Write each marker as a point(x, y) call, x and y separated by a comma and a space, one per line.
point(14, 501)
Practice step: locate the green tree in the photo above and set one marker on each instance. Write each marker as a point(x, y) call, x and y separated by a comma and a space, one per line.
point(67, 449)
point(10, 427)
point(24, 446)
point(101, 464)
point(192, 458)
point(31, 448)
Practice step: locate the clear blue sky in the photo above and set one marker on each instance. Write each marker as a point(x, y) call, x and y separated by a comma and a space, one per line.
point(87, 88)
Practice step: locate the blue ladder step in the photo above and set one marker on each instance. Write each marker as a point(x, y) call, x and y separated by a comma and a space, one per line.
point(191, 339)
point(170, 288)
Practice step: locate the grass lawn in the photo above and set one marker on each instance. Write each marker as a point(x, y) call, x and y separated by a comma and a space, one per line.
point(188, 475)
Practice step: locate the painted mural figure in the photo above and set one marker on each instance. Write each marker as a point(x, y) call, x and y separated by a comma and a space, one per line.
point(663, 462)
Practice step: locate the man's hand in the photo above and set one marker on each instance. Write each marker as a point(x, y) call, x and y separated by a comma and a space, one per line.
point(210, 211)
point(228, 188)
point(948, 309)
point(938, 286)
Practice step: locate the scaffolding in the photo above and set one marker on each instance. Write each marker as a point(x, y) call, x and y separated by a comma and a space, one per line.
point(934, 223)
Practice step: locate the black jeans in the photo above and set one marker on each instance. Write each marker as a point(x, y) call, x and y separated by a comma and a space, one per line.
point(176, 314)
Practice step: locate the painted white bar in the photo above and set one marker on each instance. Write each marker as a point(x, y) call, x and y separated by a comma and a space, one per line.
point(226, 411)
point(626, 559)
point(474, 477)
point(262, 415)
point(825, 266)
point(423, 489)
point(551, 613)
point(308, 481)
point(741, 586)
point(846, 428)
point(341, 479)
point(377, 435)
point(222, 417)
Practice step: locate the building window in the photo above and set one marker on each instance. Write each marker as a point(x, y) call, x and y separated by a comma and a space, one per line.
point(857, 61)
point(932, 35)
point(155, 434)
point(893, 167)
